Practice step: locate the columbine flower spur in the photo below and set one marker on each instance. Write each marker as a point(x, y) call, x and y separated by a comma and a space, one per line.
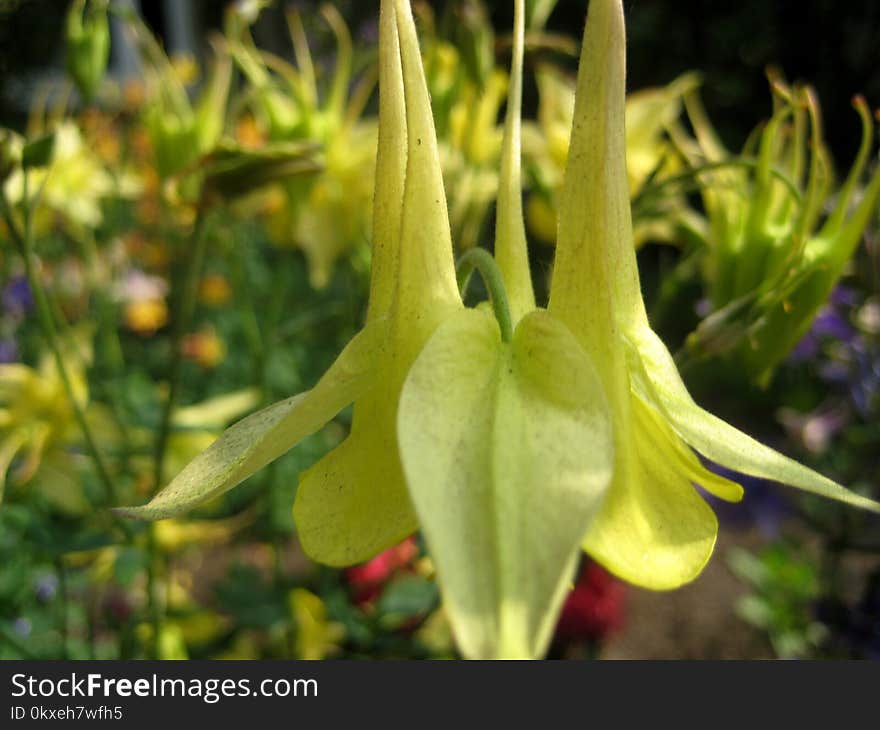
point(511, 440)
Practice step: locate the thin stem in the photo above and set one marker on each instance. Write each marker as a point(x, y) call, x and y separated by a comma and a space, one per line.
point(183, 319)
point(480, 260)
point(112, 348)
point(511, 250)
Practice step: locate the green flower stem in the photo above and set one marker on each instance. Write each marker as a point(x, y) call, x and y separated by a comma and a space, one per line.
point(112, 348)
point(184, 314)
point(256, 342)
point(480, 260)
point(24, 242)
point(185, 309)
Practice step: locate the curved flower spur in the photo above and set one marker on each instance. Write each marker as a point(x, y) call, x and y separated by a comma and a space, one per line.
point(654, 529)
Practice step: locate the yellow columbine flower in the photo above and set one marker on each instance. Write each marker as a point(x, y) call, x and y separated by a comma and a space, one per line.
point(194, 428)
point(181, 129)
point(37, 421)
point(466, 425)
point(88, 45)
point(654, 529)
point(72, 185)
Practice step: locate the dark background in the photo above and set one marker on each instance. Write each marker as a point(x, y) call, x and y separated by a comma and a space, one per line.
point(831, 44)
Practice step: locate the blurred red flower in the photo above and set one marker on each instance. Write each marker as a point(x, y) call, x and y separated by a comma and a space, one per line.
point(366, 580)
point(594, 608)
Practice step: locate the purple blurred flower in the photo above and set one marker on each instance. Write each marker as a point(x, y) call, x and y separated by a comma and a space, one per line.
point(17, 299)
point(22, 626)
point(8, 351)
point(45, 587)
point(806, 349)
point(831, 324)
point(864, 390)
point(369, 33)
point(844, 357)
point(843, 296)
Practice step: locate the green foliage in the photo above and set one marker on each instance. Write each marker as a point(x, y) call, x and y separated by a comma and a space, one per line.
point(785, 586)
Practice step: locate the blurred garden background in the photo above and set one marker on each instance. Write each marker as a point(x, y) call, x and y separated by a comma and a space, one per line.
point(185, 237)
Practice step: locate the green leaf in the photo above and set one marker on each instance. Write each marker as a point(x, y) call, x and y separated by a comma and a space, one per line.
point(232, 171)
point(537, 12)
point(38, 153)
point(264, 436)
point(507, 452)
point(251, 599)
point(406, 598)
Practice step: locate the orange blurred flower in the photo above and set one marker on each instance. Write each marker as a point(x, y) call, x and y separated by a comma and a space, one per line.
point(204, 347)
point(214, 290)
point(248, 133)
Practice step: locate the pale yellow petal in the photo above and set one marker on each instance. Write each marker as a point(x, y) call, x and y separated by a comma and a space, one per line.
point(507, 449)
point(654, 529)
point(353, 503)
